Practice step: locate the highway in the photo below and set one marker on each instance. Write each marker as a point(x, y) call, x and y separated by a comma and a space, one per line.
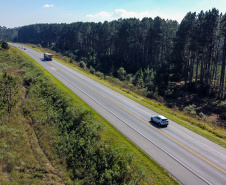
point(188, 157)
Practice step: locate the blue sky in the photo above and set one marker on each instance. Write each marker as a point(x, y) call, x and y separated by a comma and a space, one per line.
point(14, 13)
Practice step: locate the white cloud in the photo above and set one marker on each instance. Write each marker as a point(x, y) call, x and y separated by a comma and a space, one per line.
point(101, 15)
point(125, 14)
point(118, 13)
point(48, 5)
point(122, 13)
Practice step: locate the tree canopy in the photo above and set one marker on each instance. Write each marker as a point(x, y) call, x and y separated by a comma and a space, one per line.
point(192, 51)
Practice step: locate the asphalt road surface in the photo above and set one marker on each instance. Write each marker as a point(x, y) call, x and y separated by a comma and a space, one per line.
point(187, 156)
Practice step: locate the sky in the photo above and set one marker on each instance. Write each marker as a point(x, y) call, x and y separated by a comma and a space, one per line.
point(16, 13)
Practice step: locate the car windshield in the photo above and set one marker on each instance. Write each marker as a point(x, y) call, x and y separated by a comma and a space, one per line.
point(164, 120)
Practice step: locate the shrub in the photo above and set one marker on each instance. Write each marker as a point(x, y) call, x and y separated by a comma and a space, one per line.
point(170, 93)
point(121, 73)
point(190, 109)
point(71, 61)
point(202, 115)
point(92, 70)
point(160, 99)
point(108, 78)
point(143, 90)
point(101, 75)
point(5, 45)
point(130, 86)
point(82, 64)
point(138, 78)
point(116, 81)
point(67, 130)
point(171, 103)
point(153, 94)
point(129, 77)
point(176, 108)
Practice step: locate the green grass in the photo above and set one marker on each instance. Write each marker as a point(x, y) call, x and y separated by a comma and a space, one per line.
point(213, 133)
point(155, 173)
point(22, 161)
point(205, 129)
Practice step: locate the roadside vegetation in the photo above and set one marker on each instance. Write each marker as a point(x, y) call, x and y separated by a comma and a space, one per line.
point(177, 69)
point(50, 136)
point(203, 124)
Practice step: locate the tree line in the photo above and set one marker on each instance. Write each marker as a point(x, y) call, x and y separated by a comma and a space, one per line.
point(198, 55)
point(128, 43)
point(8, 33)
point(192, 51)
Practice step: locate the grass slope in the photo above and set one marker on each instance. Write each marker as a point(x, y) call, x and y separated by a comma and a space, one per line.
point(23, 157)
point(154, 173)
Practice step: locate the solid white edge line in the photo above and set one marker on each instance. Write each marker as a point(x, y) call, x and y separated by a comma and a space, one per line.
point(143, 110)
point(138, 133)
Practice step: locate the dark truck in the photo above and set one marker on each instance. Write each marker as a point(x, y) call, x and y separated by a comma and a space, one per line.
point(48, 56)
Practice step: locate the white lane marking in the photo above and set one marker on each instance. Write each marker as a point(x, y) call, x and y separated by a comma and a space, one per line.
point(147, 114)
point(53, 68)
point(99, 85)
point(198, 141)
point(137, 131)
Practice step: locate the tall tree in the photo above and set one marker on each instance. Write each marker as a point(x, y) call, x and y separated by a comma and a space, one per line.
point(222, 76)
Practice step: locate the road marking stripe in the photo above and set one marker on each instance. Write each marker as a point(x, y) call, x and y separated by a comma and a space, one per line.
point(163, 150)
point(185, 147)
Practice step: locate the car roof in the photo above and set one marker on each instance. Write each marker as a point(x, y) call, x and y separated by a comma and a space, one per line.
point(47, 53)
point(162, 117)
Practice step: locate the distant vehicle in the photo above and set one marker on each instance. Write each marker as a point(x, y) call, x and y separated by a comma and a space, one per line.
point(160, 120)
point(24, 48)
point(48, 56)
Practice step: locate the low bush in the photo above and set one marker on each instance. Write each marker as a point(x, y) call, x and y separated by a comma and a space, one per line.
point(82, 64)
point(202, 116)
point(131, 86)
point(99, 74)
point(69, 131)
point(4, 45)
point(190, 109)
point(129, 77)
point(92, 70)
point(71, 61)
point(153, 94)
point(108, 78)
point(116, 81)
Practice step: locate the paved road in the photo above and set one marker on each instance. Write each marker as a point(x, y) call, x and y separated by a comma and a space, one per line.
point(188, 157)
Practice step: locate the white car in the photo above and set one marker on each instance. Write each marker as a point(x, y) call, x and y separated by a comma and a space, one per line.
point(160, 120)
